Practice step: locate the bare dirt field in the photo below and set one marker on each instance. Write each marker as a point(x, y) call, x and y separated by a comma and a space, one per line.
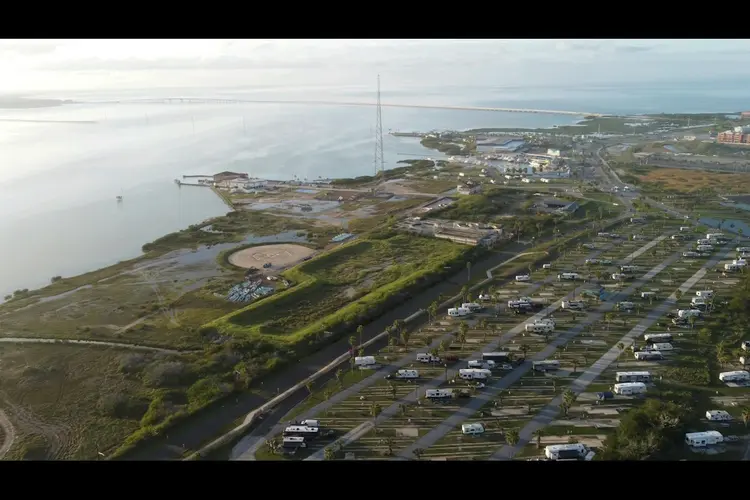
point(282, 255)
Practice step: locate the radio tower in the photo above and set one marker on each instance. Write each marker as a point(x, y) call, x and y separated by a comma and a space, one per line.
point(379, 162)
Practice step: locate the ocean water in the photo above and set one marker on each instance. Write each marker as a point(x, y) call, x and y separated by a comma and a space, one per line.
point(58, 181)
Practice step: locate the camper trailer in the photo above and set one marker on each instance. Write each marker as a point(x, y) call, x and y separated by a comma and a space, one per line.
point(301, 430)
point(472, 429)
point(684, 228)
point(735, 376)
point(471, 306)
point(637, 219)
point(715, 236)
point(539, 327)
point(523, 277)
point(407, 374)
point(705, 294)
point(743, 249)
point(567, 276)
point(546, 365)
point(439, 393)
point(731, 268)
point(628, 269)
point(573, 305)
point(497, 357)
point(653, 338)
point(365, 361)
point(482, 364)
point(698, 301)
point(649, 355)
point(310, 423)
point(703, 242)
point(661, 346)
point(458, 312)
point(718, 416)
point(626, 306)
point(474, 374)
point(686, 313)
point(575, 451)
point(704, 248)
point(703, 439)
point(740, 262)
point(622, 377)
point(549, 266)
point(293, 442)
point(746, 345)
point(630, 388)
point(424, 357)
point(648, 295)
point(691, 254)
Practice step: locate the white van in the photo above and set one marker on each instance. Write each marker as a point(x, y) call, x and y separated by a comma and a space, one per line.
point(363, 361)
point(648, 295)
point(472, 429)
point(523, 277)
point(706, 294)
point(567, 276)
point(427, 358)
point(407, 374)
point(471, 306)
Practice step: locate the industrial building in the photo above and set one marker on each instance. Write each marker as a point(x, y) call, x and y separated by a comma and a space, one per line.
point(469, 236)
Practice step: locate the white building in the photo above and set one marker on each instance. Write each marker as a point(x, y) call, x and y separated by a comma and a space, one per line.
point(702, 439)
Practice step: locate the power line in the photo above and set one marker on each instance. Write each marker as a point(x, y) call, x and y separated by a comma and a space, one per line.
point(379, 161)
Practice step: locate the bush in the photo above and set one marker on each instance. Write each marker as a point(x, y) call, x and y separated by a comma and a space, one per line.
point(122, 406)
point(169, 374)
point(132, 363)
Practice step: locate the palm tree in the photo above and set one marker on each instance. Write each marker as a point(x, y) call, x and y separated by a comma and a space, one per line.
point(608, 316)
point(433, 310)
point(392, 390)
point(417, 452)
point(338, 375)
point(405, 336)
point(375, 410)
point(398, 326)
point(329, 454)
point(308, 386)
point(392, 342)
point(272, 445)
point(575, 366)
point(621, 347)
point(512, 437)
point(388, 443)
point(746, 416)
point(538, 434)
point(524, 349)
point(360, 331)
point(568, 397)
point(463, 329)
point(352, 342)
point(464, 292)
point(327, 394)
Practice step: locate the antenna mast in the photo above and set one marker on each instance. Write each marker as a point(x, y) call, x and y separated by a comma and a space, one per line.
point(379, 162)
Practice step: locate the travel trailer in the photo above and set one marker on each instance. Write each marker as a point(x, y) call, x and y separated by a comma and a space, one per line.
point(497, 357)
point(735, 376)
point(310, 423)
point(703, 439)
point(471, 306)
point(567, 276)
point(622, 377)
point(603, 235)
point(549, 266)
point(573, 305)
point(482, 364)
point(546, 365)
point(704, 248)
point(626, 306)
point(363, 361)
point(539, 327)
point(746, 345)
point(439, 393)
point(407, 374)
point(458, 312)
point(686, 313)
point(301, 430)
point(523, 277)
point(706, 294)
point(698, 301)
point(472, 429)
point(649, 356)
point(731, 268)
point(714, 236)
point(293, 442)
point(691, 254)
point(703, 242)
point(652, 338)
point(740, 262)
point(661, 346)
point(743, 249)
point(474, 374)
point(648, 295)
point(628, 269)
point(630, 388)
point(427, 358)
point(718, 416)
point(575, 451)
point(684, 228)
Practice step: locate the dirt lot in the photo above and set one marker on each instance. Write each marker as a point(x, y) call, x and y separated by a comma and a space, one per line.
point(280, 256)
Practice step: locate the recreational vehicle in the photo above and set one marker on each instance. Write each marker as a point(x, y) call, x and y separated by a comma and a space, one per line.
point(603, 235)
point(637, 219)
point(439, 393)
point(573, 305)
point(458, 312)
point(698, 301)
point(471, 306)
point(714, 236)
point(622, 377)
point(472, 429)
point(482, 364)
point(702, 439)
point(626, 306)
point(591, 261)
point(523, 277)
point(718, 416)
point(691, 254)
point(575, 451)
point(704, 248)
point(628, 269)
point(497, 357)
point(539, 327)
point(746, 345)
point(630, 388)
point(474, 374)
point(743, 249)
point(649, 355)
point(293, 442)
point(363, 361)
point(731, 268)
point(703, 242)
point(735, 376)
point(706, 294)
point(407, 374)
point(310, 423)
point(567, 276)
point(549, 266)
point(686, 313)
point(301, 430)
point(648, 295)
point(546, 365)
point(684, 228)
point(740, 262)
point(661, 346)
point(427, 358)
point(652, 338)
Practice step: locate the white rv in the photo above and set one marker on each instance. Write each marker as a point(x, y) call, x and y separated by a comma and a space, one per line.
point(471, 306)
point(735, 376)
point(523, 277)
point(731, 268)
point(704, 248)
point(439, 393)
point(648, 295)
point(626, 306)
point(546, 266)
point(603, 235)
point(424, 357)
point(706, 294)
point(657, 337)
point(662, 346)
point(648, 355)
point(474, 374)
point(407, 374)
point(622, 377)
point(686, 313)
point(743, 249)
point(575, 451)
point(714, 236)
point(573, 305)
point(472, 429)
point(702, 439)
point(628, 269)
point(746, 345)
point(740, 262)
point(458, 312)
point(691, 254)
point(630, 388)
point(482, 364)
point(703, 242)
point(718, 416)
point(301, 430)
point(567, 276)
point(539, 327)
point(546, 365)
point(293, 442)
point(310, 423)
point(363, 361)
point(698, 301)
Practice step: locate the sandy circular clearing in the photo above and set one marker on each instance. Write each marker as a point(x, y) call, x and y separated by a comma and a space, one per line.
point(282, 255)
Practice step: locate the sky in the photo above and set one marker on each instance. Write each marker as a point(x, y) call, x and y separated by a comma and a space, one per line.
point(31, 66)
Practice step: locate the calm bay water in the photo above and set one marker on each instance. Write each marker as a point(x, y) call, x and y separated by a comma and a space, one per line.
point(59, 181)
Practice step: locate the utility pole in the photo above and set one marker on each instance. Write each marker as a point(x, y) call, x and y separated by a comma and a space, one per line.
point(379, 160)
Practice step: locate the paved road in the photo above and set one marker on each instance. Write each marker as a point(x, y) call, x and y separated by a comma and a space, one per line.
point(134, 347)
point(502, 340)
point(505, 382)
point(249, 445)
point(550, 412)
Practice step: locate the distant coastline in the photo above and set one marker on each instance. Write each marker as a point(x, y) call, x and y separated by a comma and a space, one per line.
point(15, 102)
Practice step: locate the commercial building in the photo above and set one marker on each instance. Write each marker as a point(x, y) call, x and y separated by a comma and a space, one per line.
point(739, 135)
point(469, 236)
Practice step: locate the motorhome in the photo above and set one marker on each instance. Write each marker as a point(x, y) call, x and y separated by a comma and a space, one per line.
point(718, 416)
point(539, 328)
point(576, 451)
point(482, 364)
point(630, 388)
point(310, 423)
point(471, 306)
point(706, 294)
point(474, 374)
point(439, 393)
point(735, 376)
point(628, 269)
point(567, 276)
point(546, 266)
point(743, 249)
point(712, 236)
point(573, 305)
point(458, 312)
point(625, 306)
point(662, 346)
point(686, 313)
point(691, 254)
point(622, 377)
point(497, 357)
point(546, 365)
point(698, 301)
point(704, 248)
point(652, 338)
point(301, 430)
point(407, 374)
point(703, 242)
point(649, 355)
point(684, 228)
point(363, 361)
point(523, 277)
point(293, 442)
point(472, 429)
point(423, 357)
point(648, 295)
point(703, 439)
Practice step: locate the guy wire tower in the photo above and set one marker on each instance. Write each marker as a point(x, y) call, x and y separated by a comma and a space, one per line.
point(379, 162)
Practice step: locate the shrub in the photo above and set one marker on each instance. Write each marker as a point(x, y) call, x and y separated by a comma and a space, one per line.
point(168, 374)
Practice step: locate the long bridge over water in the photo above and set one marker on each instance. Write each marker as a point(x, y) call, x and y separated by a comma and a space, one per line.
point(197, 100)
